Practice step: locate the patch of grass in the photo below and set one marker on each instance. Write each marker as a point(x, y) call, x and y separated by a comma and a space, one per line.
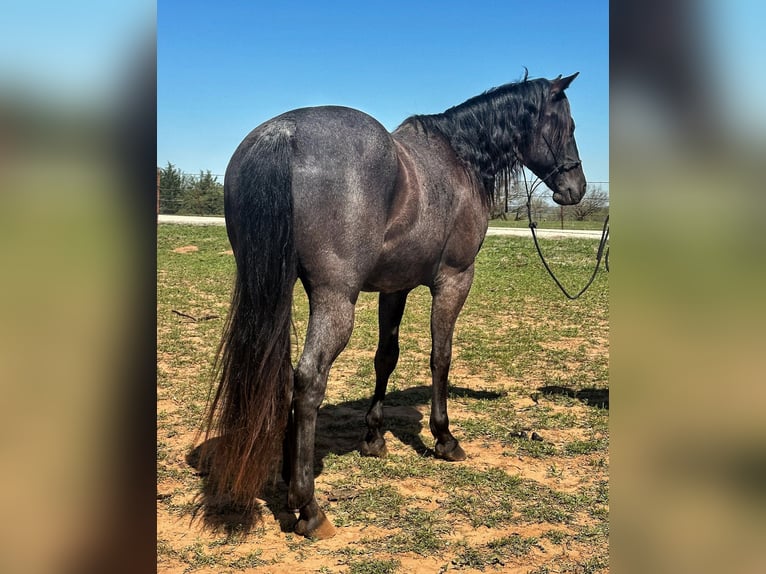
point(299, 546)
point(543, 504)
point(514, 545)
point(598, 463)
point(592, 565)
point(499, 430)
point(393, 467)
point(553, 224)
point(490, 511)
point(373, 566)
point(379, 506)
point(249, 560)
point(536, 449)
point(493, 498)
point(495, 553)
point(556, 536)
point(422, 532)
point(597, 420)
point(473, 557)
point(166, 550)
point(545, 417)
point(596, 534)
point(196, 556)
point(580, 447)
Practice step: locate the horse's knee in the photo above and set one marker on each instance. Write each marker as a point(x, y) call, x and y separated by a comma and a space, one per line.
point(305, 373)
point(309, 386)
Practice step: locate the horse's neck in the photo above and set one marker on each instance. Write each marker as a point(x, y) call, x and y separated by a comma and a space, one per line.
point(434, 167)
point(425, 139)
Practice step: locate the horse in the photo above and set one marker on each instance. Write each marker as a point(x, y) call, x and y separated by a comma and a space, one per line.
point(326, 195)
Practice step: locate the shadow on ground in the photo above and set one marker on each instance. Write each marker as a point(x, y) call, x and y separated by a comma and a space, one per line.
point(340, 430)
point(591, 397)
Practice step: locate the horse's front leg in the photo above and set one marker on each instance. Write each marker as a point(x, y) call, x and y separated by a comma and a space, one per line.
point(449, 294)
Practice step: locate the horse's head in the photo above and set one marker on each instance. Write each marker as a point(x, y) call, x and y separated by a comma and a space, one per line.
point(551, 152)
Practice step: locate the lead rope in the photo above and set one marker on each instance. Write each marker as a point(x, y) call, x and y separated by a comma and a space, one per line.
point(601, 245)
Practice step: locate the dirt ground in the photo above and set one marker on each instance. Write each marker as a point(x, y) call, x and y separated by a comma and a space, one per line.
point(284, 553)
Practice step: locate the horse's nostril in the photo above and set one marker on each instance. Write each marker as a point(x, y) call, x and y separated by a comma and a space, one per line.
point(576, 193)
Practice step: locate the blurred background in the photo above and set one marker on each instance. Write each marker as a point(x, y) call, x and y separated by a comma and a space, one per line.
point(77, 213)
point(78, 208)
point(687, 143)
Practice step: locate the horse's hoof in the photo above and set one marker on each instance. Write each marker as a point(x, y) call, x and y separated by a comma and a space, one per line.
point(376, 448)
point(452, 451)
point(318, 527)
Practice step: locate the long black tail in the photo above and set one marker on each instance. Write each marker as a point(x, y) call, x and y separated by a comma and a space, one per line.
point(251, 404)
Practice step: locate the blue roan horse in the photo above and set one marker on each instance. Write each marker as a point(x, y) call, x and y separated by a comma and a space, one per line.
point(328, 196)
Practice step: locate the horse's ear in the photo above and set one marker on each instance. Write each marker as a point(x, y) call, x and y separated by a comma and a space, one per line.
point(560, 84)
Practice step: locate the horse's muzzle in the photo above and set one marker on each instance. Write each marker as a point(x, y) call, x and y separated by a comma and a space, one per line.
point(570, 194)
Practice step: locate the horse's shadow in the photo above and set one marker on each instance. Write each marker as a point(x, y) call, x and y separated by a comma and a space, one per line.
point(591, 396)
point(340, 430)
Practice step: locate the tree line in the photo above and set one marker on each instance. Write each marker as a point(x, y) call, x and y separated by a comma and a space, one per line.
point(187, 194)
point(182, 193)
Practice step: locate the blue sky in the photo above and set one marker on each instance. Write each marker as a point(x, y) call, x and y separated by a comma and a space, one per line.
point(76, 52)
point(225, 67)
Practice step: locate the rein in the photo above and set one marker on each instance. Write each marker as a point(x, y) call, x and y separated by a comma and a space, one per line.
point(533, 226)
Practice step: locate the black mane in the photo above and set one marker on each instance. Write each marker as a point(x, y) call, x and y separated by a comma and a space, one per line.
point(487, 130)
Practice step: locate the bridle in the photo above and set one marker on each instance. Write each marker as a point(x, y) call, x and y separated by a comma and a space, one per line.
point(561, 168)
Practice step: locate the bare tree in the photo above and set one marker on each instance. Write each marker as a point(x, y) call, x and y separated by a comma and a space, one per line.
point(594, 201)
point(511, 197)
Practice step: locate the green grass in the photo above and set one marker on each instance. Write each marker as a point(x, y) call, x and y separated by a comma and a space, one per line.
point(379, 506)
point(197, 556)
point(596, 224)
point(524, 359)
point(495, 553)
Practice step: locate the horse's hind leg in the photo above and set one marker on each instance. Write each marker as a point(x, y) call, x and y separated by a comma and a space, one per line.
point(390, 311)
point(331, 321)
point(449, 294)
